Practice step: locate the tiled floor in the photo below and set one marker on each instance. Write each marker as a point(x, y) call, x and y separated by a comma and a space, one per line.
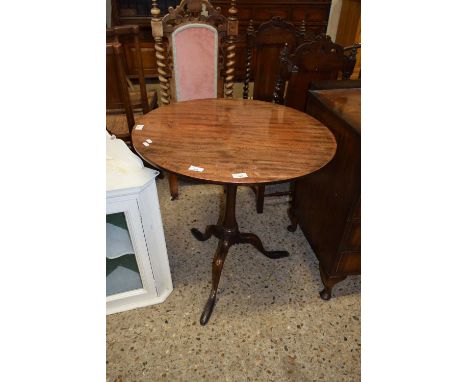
point(269, 323)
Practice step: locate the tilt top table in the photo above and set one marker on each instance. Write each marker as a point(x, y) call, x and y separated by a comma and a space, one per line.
point(233, 142)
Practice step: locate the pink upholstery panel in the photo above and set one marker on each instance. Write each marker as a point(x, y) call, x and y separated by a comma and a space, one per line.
point(195, 50)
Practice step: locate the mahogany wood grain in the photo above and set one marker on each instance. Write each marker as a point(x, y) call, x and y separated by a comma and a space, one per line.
point(270, 143)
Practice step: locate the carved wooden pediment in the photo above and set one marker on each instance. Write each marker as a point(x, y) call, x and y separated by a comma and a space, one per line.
point(194, 11)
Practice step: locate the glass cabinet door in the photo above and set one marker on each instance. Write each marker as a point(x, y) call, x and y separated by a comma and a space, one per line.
point(130, 277)
point(122, 272)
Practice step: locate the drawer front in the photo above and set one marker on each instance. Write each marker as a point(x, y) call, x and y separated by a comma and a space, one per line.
point(352, 237)
point(357, 210)
point(350, 262)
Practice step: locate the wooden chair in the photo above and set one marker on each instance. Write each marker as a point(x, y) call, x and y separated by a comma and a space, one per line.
point(312, 61)
point(315, 60)
point(263, 49)
point(128, 37)
point(117, 96)
point(200, 54)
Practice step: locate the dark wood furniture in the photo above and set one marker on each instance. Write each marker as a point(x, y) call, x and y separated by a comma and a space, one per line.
point(264, 46)
point(335, 84)
point(129, 35)
point(314, 60)
point(225, 137)
point(186, 15)
point(327, 204)
point(317, 59)
point(117, 97)
point(138, 12)
point(303, 14)
point(314, 13)
point(262, 63)
point(120, 117)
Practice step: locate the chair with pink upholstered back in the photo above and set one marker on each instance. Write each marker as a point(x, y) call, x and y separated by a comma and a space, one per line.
point(199, 60)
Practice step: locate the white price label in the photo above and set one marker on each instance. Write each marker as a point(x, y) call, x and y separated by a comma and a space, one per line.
point(139, 127)
point(195, 168)
point(146, 143)
point(240, 175)
point(149, 140)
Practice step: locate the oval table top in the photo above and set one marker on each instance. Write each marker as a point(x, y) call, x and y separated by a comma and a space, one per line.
point(270, 143)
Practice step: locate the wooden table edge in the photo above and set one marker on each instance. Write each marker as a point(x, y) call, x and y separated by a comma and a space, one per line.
point(237, 182)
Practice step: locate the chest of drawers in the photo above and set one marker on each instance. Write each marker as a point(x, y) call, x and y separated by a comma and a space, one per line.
point(327, 203)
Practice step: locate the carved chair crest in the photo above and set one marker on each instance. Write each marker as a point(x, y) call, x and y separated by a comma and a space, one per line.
point(194, 12)
point(278, 23)
point(269, 35)
point(318, 55)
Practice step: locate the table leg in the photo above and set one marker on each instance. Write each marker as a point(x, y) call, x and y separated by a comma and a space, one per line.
point(209, 231)
point(173, 186)
point(228, 235)
point(217, 267)
point(251, 238)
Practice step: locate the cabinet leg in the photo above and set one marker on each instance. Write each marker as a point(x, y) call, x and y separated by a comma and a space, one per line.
point(328, 283)
point(173, 186)
point(292, 216)
point(293, 226)
point(260, 198)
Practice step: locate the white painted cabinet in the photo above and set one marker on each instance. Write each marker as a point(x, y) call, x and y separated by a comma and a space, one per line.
point(137, 267)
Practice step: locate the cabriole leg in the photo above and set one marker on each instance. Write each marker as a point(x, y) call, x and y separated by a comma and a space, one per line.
point(217, 267)
point(328, 283)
